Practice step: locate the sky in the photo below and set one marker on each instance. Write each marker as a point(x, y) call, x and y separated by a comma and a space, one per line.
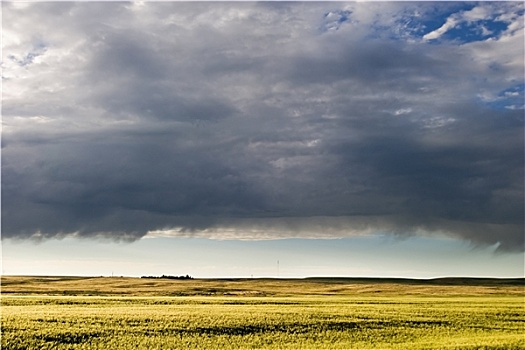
point(285, 139)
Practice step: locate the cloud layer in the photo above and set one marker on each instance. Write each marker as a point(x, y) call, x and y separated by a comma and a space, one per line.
point(263, 120)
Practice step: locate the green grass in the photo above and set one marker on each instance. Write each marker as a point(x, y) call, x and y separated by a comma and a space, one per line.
point(260, 314)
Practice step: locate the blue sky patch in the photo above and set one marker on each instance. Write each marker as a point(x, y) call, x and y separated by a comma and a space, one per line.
point(452, 23)
point(511, 98)
point(334, 19)
point(475, 31)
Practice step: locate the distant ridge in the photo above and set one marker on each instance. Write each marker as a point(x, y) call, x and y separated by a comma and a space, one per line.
point(328, 286)
point(450, 281)
point(443, 281)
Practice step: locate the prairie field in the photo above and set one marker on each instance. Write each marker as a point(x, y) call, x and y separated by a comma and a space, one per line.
point(332, 313)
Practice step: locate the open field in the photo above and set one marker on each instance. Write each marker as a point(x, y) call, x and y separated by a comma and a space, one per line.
point(125, 313)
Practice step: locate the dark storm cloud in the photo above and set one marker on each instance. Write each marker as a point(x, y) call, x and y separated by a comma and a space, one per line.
point(255, 121)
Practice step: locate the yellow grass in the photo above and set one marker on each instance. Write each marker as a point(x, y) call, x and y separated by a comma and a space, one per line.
point(133, 313)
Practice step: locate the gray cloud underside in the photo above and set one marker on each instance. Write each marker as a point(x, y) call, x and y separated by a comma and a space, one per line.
point(251, 120)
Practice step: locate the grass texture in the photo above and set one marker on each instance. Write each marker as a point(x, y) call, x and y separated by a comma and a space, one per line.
point(132, 313)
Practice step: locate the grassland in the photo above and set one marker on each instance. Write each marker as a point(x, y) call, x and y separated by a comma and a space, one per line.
point(132, 313)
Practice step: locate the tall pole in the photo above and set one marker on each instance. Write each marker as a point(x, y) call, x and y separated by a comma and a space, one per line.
point(277, 268)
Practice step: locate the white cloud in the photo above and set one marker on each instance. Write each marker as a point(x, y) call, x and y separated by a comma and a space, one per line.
point(507, 12)
point(450, 23)
point(403, 111)
point(476, 14)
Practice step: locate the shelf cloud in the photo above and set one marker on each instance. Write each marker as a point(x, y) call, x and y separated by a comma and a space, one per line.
point(263, 120)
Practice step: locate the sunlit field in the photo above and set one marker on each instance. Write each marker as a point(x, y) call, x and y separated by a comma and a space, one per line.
point(131, 313)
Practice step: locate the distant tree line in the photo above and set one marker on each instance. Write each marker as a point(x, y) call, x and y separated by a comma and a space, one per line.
point(187, 277)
